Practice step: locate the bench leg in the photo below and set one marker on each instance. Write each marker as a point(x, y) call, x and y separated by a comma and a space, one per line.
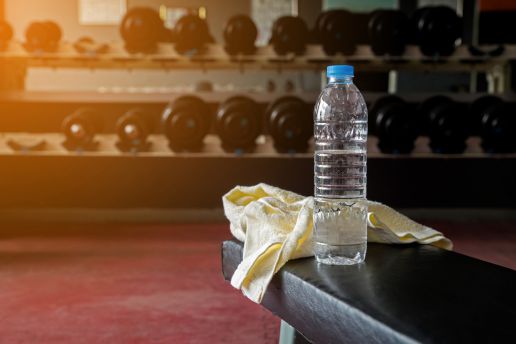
point(289, 335)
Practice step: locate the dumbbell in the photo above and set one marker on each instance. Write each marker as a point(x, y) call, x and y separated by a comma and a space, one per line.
point(389, 32)
point(79, 129)
point(479, 51)
point(142, 29)
point(336, 32)
point(240, 34)
point(495, 122)
point(478, 109)
point(290, 124)
point(43, 37)
point(445, 123)
point(186, 122)
point(191, 34)
point(289, 35)
point(6, 34)
point(87, 45)
point(238, 124)
point(392, 120)
point(436, 30)
point(132, 129)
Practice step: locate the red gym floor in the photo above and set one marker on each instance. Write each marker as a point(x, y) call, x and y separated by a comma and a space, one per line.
point(150, 283)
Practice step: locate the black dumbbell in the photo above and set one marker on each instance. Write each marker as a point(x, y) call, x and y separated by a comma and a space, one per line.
point(132, 130)
point(80, 128)
point(478, 109)
point(436, 30)
point(389, 32)
point(186, 122)
point(6, 34)
point(495, 122)
point(290, 124)
point(336, 32)
point(43, 37)
point(240, 34)
point(238, 124)
point(395, 124)
point(289, 35)
point(445, 123)
point(191, 34)
point(142, 29)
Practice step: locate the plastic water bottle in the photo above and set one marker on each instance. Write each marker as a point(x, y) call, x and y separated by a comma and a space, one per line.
point(340, 210)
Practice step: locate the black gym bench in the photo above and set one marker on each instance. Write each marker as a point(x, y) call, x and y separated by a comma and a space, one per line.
point(401, 294)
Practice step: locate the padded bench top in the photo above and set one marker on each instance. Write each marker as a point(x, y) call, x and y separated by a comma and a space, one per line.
point(401, 294)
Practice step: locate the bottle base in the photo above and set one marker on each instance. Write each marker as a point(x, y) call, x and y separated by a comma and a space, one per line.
point(340, 254)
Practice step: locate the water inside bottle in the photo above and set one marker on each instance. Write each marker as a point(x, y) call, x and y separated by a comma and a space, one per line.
point(340, 236)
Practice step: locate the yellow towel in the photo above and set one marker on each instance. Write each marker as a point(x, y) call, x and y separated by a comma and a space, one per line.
point(275, 226)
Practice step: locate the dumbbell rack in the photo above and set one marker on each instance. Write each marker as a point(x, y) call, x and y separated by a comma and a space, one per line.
point(160, 178)
point(18, 60)
point(51, 176)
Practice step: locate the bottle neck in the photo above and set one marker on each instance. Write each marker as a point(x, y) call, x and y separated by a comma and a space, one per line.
point(340, 80)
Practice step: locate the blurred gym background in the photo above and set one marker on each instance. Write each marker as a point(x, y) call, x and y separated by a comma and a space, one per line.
point(123, 122)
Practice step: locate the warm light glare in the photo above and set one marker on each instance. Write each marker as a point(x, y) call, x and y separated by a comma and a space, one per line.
point(202, 12)
point(163, 12)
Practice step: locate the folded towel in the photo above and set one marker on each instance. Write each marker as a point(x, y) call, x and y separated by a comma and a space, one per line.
point(275, 226)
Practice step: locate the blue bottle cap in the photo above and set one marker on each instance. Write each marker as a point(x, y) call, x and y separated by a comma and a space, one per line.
point(340, 71)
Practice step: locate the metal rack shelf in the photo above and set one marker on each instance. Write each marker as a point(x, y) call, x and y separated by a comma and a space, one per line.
point(214, 57)
point(159, 148)
point(15, 61)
